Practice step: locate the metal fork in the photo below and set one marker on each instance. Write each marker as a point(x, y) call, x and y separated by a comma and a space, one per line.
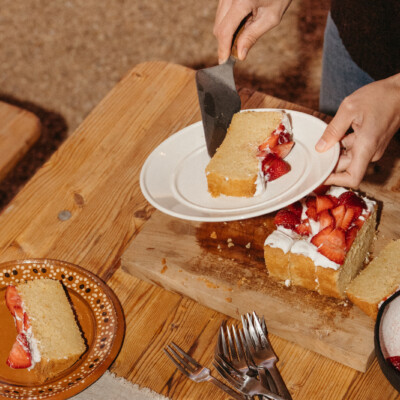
point(195, 371)
point(261, 351)
point(246, 384)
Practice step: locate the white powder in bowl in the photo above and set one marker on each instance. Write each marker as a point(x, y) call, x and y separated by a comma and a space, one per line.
point(390, 329)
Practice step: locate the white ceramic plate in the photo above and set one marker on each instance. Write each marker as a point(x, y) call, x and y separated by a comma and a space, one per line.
point(173, 178)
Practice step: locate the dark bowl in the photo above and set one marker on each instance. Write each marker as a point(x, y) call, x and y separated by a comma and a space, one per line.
point(391, 373)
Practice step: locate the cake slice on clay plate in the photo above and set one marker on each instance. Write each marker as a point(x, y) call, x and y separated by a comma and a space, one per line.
point(48, 338)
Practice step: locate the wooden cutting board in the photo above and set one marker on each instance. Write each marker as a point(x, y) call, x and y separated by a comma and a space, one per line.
point(221, 265)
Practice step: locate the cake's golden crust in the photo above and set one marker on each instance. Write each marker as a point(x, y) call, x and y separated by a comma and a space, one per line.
point(218, 185)
point(277, 263)
point(302, 271)
point(371, 309)
point(47, 369)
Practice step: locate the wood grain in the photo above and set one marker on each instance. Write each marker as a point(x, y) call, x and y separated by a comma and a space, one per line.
point(94, 175)
point(19, 130)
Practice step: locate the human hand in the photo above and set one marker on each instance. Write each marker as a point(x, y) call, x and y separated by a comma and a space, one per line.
point(264, 15)
point(373, 112)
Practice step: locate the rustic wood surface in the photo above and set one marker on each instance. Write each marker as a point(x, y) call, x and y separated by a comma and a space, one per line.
point(19, 130)
point(95, 176)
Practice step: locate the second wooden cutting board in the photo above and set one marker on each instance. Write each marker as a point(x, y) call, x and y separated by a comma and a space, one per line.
point(221, 265)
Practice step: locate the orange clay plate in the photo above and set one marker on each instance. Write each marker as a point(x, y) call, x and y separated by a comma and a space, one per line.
point(100, 317)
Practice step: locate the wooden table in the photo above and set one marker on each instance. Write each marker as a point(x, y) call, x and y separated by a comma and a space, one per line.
point(19, 130)
point(95, 176)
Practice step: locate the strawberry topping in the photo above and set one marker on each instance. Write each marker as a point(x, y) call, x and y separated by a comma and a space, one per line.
point(339, 221)
point(276, 169)
point(395, 361)
point(287, 219)
point(20, 355)
point(282, 150)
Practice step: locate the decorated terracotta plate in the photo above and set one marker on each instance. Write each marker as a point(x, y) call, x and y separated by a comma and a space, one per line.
point(100, 317)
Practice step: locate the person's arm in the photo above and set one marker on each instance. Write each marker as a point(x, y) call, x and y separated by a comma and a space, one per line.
point(264, 15)
point(373, 113)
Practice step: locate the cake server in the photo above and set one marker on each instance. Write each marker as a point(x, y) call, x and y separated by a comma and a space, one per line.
point(218, 98)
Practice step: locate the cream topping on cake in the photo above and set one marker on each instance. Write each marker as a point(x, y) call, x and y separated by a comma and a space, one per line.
point(288, 240)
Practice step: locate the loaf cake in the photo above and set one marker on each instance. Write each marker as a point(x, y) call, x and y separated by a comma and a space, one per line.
point(378, 281)
point(251, 154)
point(322, 241)
point(48, 337)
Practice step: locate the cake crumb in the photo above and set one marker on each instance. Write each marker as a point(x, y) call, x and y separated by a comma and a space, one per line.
point(213, 235)
point(248, 245)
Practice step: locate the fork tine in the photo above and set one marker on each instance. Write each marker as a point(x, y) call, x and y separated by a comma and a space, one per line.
point(260, 331)
point(238, 344)
point(246, 347)
point(176, 362)
point(221, 343)
point(186, 359)
point(246, 332)
point(253, 333)
point(234, 355)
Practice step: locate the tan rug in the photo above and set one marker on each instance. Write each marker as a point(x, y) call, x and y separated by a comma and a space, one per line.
point(111, 387)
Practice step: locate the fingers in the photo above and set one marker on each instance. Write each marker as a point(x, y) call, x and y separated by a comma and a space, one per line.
point(336, 129)
point(256, 26)
point(229, 16)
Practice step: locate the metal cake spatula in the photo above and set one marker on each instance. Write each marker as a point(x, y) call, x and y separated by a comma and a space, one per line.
point(218, 98)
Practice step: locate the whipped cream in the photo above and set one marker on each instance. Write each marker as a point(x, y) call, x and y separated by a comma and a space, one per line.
point(32, 343)
point(288, 240)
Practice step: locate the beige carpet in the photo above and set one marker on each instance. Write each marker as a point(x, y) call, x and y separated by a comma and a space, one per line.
point(60, 58)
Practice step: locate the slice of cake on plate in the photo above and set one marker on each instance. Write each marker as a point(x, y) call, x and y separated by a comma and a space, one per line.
point(48, 337)
point(251, 154)
point(378, 281)
point(322, 241)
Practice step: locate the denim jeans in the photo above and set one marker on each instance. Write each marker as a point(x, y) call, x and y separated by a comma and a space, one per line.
point(341, 76)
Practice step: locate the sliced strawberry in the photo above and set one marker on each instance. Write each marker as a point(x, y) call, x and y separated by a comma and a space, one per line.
point(296, 208)
point(311, 201)
point(395, 361)
point(271, 142)
point(287, 219)
point(350, 236)
point(338, 213)
point(267, 161)
point(321, 236)
point(312, 213)
point(348, 218)
point(13, 300)
point(333, 253)
point(324, 203)
point(320, 190)
point(27, 323)
point(303, 229)
point(284, 137)
point(350, 199)
point(276, 169)
point(282, 150)
point(20, 355)
point(334, 200)
point(359, 223)
point(333, 246)
point(325, 219)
